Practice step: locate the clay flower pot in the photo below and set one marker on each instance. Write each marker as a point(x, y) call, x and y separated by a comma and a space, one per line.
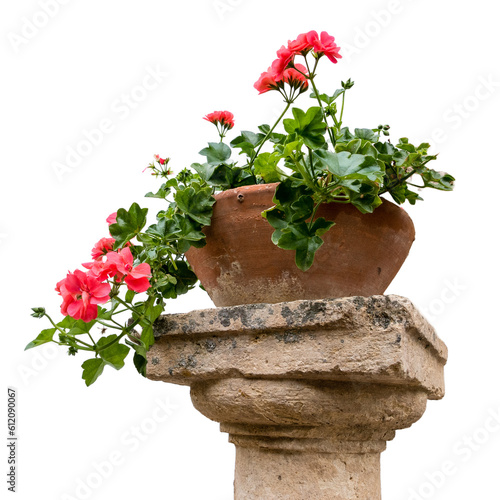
point(361, 255)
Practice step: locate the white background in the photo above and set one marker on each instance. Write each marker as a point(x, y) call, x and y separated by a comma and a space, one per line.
point(419, 65)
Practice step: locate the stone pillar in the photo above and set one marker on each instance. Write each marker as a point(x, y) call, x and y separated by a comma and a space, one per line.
point(308, 391)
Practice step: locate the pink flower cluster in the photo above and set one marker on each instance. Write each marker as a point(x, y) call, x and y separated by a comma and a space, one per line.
point(224, 118)
point(279, 71)
point(82, 292)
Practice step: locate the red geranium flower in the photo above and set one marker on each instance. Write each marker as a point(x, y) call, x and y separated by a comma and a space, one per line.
point(81, 293)
point(270, 81)
point(224, 118)
point(266, 82)
point(120, 264)
point(111, 219)
point(285, 57)
point(282, 68)
point(102, 247)
point(295, 77)
point(328, 47)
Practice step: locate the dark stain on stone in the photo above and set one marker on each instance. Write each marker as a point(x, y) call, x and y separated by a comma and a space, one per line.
point(189, 363)
point(341, 341)
point(155, 361)
point(248, 315)
point(287, 315)
point(379, 270)
point(311, 310)
point(224, 317)
point(234, 344)
point(359, 302)
point(210, 345)
point(170, 371)
point(382, 319)
point(279, 478)
point(289, 337)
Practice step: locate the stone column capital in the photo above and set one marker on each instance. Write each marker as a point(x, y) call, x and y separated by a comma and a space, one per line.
point(308, 391)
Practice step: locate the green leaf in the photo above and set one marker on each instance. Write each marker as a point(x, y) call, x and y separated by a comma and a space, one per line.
point(266, 165)
point(165, 229)
point(274, 137)
point(162, 193)
point(113, 355)
point(351, 166)
point(128, 224)
point(140, 363)
point(217, 152)
point(351, 146)
point(185, 279)
point(437, 180)
point(305, 241)
point(278, 220)
point(129, 296)
point(196, 202)
point(364, 196)
point(147, 336)
point(80, 327)
point(44, 337)
point(140, 355)
point(309, 126)
point(190, 233)
point(67, 322)
point(247, 142)
point(365, 133)
point(327, 99)
point(302, 208)
point(287, 192)
point(92, 368)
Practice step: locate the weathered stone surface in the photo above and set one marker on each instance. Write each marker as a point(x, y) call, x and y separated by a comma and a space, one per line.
point(273, 475)
point(380, 339)
point(308, 391)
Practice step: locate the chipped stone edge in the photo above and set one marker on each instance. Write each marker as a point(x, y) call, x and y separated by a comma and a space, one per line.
point(251, 318)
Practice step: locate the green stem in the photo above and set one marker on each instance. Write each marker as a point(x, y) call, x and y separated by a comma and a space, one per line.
point(55, 326)
point(83, 343)
point(342, 111)
point(316, 93)
point(304, 173)
point(126, 331)
point(119, 327)
point(416, 185)
point(128, 306)
point(399, 181)
point(268, 135)
point(315, 209)
point(313, 177)
point(80, 348)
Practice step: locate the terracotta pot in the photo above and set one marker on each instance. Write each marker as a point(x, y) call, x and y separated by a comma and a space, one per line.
point(361, 255)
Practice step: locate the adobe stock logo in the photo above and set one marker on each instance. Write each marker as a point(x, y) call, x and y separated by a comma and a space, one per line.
point(460, 112)
point(463, 450)
point(32, 26)
point(223, 7)
point(121, 107)
point(450, 292)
